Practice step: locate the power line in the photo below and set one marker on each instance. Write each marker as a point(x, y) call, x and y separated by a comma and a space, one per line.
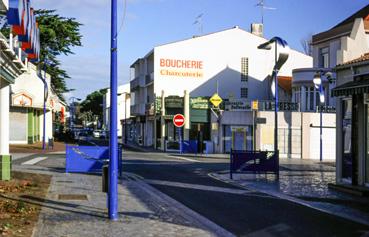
point(123, 17)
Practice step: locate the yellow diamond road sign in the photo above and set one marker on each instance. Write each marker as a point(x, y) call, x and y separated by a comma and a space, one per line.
point(216, 100)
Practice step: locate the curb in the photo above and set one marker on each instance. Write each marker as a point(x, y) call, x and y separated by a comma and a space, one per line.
point(186, 212)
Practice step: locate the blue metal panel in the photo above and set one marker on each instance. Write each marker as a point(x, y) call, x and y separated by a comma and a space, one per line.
point(89, 159)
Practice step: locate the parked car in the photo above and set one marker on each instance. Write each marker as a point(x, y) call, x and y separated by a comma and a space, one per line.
point(83, 136)
point(104, 134)
point(97, 133)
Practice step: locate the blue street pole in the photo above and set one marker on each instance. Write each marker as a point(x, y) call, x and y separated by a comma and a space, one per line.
point(44, 120)
point(321, 120)
point(276, 103)
point(113, 143)
point(180, 140)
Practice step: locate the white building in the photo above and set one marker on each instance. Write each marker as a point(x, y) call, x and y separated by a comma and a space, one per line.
point(13, 63)
point(27, 103)
point(172, 78)
point(124, 107)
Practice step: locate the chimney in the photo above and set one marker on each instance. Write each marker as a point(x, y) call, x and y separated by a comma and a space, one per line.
point(257, 29)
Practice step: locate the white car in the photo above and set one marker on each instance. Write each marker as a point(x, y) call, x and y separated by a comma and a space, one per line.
point(96, 133)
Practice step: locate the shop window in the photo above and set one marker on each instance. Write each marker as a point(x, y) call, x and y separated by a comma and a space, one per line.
point(244, 69)
point(346, 137)
point(244, 92)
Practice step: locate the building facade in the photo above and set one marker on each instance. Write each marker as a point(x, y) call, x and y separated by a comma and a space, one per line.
point(352, 134)
point(13, 63)
point(124, 104)
point(344, 42)
point(26, 107)
point(180, 77)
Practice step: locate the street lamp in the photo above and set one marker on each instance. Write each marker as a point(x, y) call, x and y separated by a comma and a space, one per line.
point(318, 83)
point(281, 53)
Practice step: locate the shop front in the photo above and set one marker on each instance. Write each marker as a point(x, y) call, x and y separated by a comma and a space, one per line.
point(352, 115)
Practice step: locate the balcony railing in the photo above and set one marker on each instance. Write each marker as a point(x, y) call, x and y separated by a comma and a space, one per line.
point(138, 109)
point(149, 78)
point(265, 105)
point(150, 109)
point(135, 83)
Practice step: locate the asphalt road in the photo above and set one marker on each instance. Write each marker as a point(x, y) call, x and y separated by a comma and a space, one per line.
point(250, 213)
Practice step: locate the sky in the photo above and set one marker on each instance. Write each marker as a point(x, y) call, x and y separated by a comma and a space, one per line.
point(145, 24)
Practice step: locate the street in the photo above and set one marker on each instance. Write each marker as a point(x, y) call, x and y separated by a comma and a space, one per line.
point(246, 213)
point(239, 211)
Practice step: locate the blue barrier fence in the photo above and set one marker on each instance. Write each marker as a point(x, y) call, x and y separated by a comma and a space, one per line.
point(189, 146)
point(253, 161)
point(89, 159)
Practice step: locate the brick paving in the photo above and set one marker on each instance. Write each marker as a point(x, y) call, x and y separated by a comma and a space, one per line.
point(142, 210)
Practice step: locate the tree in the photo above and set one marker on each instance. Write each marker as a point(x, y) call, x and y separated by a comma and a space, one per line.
point(93, 103)
point(306, 45)
point(57, 36)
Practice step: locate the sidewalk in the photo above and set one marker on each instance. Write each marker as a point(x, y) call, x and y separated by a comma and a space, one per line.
point(304, 182)
point(75, 206)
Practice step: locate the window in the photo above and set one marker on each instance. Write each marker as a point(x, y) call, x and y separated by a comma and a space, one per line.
point(244, 92)
point(244, 69)
point(324, 57)
point(311, 98)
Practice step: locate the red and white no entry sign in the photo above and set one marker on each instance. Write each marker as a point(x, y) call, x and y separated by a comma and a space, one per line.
point(179, 120)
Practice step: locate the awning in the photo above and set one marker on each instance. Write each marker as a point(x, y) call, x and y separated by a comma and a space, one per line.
point(351, 88)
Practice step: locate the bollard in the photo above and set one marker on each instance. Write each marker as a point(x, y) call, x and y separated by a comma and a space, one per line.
point(105, 176)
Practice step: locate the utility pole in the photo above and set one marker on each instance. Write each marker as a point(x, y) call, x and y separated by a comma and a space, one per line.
point(113, 143)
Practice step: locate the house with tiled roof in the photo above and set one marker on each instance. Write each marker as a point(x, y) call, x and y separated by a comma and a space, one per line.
point(344, 42)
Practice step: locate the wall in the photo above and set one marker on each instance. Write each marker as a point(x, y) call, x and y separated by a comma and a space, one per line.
point(232, 45)
point(355, 45)
point(300, 130)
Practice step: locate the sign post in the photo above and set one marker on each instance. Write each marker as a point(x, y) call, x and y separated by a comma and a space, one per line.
point(179, 122)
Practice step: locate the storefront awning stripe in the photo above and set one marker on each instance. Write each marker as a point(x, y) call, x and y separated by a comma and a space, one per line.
point(351, 88)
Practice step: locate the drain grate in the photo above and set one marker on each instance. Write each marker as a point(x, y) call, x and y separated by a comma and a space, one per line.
point(77, 197)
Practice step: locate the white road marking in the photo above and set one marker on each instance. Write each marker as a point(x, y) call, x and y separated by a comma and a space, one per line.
point(155, 163)
point(197, 186)
point(184, 158)
point(271, 231)
point(34, 161)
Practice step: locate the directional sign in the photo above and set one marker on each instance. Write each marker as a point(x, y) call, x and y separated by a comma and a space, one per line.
point(179, 120)
point(255, 105)
point(216, 100)
point(261, 120)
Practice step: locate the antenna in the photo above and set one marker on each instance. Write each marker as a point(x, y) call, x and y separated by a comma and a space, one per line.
point(262, 6)
point(198, 21)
